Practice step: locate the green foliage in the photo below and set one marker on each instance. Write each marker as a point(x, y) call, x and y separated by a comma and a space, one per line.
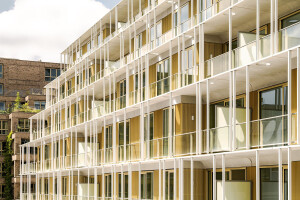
point(17, 102)
point(8, 165)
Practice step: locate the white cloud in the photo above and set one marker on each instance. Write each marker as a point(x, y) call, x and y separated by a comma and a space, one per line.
point(42, 29)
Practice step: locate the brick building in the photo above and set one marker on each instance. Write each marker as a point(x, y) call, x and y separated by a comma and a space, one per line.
point(28, 78)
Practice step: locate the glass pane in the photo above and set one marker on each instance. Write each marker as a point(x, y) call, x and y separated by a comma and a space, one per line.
point(184, 13)
point(47, 72)
point(290, 20)
point(269, 183)
point(271, 103)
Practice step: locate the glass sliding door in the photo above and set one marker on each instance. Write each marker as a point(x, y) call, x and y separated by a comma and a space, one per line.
point(149, 134)
point(187, 66)
point(108, 193)
point(184, 17)
point(108, 144)
point(169, 185)
point(273, 119)
point(123, 186)
point(163, 73)
point(124, 140)
point(147, 185)
point(165, 140)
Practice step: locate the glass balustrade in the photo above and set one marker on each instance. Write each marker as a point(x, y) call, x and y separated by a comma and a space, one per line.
point(269, 132)
point(185, 144)
point(289, 37)
point(216, 65)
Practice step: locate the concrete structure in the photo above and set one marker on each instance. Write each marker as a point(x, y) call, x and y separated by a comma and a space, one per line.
point(174, 99)
point(27, 78)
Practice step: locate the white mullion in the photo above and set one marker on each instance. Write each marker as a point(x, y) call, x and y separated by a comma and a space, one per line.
point(298, 94)
point(159, 180)
point(247, 109)
point(257, 28)
point(192, 178)
point(290, 173)
point(223, 176)
point(234, 110)
point(207, 116)
point(230, 111)
point(171, 131)
point(289, 99)
point(214, 178)
point(175, 180)
point(257, 176)
point(280, 174)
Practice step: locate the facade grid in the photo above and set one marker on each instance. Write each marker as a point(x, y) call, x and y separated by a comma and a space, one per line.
point(173, 99)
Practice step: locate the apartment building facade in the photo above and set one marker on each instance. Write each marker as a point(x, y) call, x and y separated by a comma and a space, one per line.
point(174, 99)
point(27, 78)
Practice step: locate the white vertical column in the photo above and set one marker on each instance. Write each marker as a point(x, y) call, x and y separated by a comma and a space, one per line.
point(298, 95)
point(276, 26)
point(192, 178)
point(175, 180)
point(230, 40)
point(234, 110)
point(230, 112)
point(257, 28)
point(223, 175)
point(214, 178)
point(247, 109)
point(290, 173)
point(279, 174)
point(257, 176)
point(289, 99)
point(207, 116)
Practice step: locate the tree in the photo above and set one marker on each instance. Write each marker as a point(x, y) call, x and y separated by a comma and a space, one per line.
point(17, 102)
point(8, 164)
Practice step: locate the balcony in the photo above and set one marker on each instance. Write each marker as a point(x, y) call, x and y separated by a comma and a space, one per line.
point(289, 37)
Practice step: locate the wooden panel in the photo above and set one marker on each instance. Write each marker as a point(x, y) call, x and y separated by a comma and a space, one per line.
point(152, 73)
point(251, 176)
point(135, 129)
point(178, 122)
point(84, 49)
point(156, 185)
point(212, 50)
point(158, 124)
point(131, 83)
point(188, 112)
point(118, 89)
point(74, 56)
point(195, 7)
point(144, 37)
point(295, 180)
point(81, 106)
point(132, 45)
point(73, 82)
point(135, 185)
point(166, 23)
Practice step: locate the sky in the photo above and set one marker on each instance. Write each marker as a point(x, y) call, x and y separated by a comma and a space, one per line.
point(42, 29)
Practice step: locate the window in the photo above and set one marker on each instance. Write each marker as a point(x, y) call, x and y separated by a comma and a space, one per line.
point(184, 17)
point(122, 136)
point(88, 46)
point(23, 125)
point(158, 33)
point(125, 186)
point(165, 131)
point(122, 91)
point(169, 185)
point(46, 186)
point(1, 89)
point(39, 105)
point(149, 133)
point(108, 144)
point(3, 127)
point(1, 70)
point(139, 41)
point(2, 147)
point(2, 106)
point(51, 74)
point(108, 186)
point(64, 186)
point(290, 20)
point(24, 141)
point(147, 185)
point(163, 73)
point(273, 105)
point(187, 66)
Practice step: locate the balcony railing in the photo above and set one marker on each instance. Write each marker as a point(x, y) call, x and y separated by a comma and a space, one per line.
point(289, 37)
